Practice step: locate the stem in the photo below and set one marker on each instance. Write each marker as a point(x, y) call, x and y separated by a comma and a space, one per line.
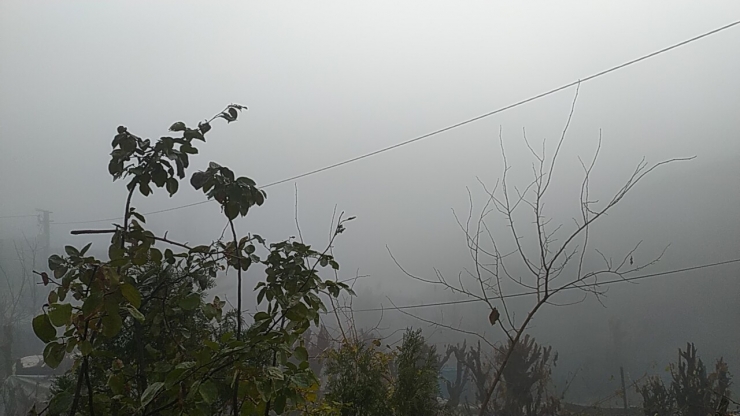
point(78, 388)
point(235, 404)
point(137, 327)
point(83, 368)
point(89, 391)
point(111, 231)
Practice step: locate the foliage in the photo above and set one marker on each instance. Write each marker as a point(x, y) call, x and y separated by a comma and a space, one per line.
point(692, 392)
point(456, 387)
point(657, 400)
point(480, 371)
point(145, 338)
point(358, 377)
point(416, 386)
point(318, 347)
point(524, 391)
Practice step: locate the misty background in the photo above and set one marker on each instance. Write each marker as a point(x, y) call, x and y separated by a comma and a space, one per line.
point(329, 81)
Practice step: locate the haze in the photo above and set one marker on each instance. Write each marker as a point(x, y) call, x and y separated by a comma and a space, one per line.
point(329, 81)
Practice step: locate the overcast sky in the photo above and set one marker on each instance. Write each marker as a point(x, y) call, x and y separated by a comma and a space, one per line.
point(328, 81)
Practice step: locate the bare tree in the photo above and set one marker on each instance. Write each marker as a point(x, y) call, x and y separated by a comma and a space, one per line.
point(553, 260)
point(17, 300)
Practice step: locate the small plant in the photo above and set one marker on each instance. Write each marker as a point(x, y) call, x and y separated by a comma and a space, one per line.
point(524, 391)
point(145, 338)
point(358, 378)
point(416, 386)
point(692, 392)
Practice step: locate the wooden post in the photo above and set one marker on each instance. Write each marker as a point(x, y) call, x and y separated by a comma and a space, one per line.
point(624, 391)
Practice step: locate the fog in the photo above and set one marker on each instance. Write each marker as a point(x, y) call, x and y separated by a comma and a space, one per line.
point(329, 81)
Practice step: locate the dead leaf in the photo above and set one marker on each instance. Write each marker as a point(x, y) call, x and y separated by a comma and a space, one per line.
point(493, 317)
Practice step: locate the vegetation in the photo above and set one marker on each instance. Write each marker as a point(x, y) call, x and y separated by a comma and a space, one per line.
point(146, 338)
point(692, 391)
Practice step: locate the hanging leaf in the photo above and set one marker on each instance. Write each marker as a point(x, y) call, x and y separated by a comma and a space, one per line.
point(198, 179)
point(135, 313)
point(172, 186)
point(208, 392)
point(190, 302)
point(112, 324)
point(493, 316)
point(150, 393)
point(54, 354)
point(231, 210)
point(43, 328)
point(60, 314)
point(131, 294)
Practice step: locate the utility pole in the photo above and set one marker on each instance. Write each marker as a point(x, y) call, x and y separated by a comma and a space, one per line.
point(624, 391)
point(44, 220)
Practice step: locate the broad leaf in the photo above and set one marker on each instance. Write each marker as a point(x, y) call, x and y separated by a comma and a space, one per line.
point(60, 314)
point(208, 392)
point(150, 393)
point(131, 294)
point(43, 328)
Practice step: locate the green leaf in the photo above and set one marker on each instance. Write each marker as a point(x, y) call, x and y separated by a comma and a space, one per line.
point(55, 261)
point(190, 302)
point(92, 303)
point(193, 134)
point(231, 210)
point(135, 313)
point(61, 403)
point(303, 380)
point(60, 271)
point(71, 251)
point(60, 314)
point(112, 323)
point(261, 316)
point(150, 393)
point(53, 354)
point(279, 404)
point(208, 392)
point(144, 188)
point(116, 383)
point(204, 127)
point(179, 126)
point(186, 365)
point(155, 255)
point(115, 252)
point(138, 216)
point(85, 347)
point(198, 179)
point(159, 177)
point(297, 312)
point(172, 185)
point(173, 377)
point(131, 294)
point(84, 249)
point(43, 328)
point(300, 353)
point(274, 373)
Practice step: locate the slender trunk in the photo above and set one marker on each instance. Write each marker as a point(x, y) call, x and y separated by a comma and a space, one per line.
point(514, 342)
point(6, 350)
point(235, 401)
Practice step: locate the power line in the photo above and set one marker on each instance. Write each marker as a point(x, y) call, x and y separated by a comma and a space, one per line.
point(521, 294)
point(144, 213)
point(18, 216)
point(456, 125)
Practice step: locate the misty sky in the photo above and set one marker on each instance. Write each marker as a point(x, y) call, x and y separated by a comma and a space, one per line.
point(327, 81)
